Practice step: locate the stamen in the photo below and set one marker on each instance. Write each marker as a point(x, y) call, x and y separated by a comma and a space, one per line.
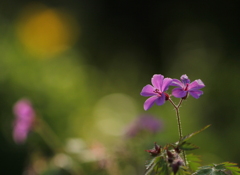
point(158, 92)
point(186, 88)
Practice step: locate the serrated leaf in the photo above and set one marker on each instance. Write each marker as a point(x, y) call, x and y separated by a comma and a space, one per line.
point(161, 167)
point(206, 167)
point(234, 173)
point(219, 173)
point(237, 169)
point(182, 172)
point(218, 169)
point(211, 171)
point(150, 166)
point(193, 158)
point(188, 146)
point(229, 164)
point(185, 138)
point(232, 167)
point(193, 162)
point(203, 172)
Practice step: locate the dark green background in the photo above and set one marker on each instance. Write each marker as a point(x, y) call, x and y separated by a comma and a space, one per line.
point(125, 43)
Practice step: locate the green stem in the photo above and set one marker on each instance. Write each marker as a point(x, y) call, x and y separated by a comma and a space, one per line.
point(179, 124)
point(47, 134)
point(52, 140)
point(178, 117)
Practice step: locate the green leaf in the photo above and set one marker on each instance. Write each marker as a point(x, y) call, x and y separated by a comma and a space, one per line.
point(219, 173)
point(203, 172)
point(187, 146)
point(150, 166)
point(193, 162)
point(232, 167)
point(185, 138)
point(162, 167)
point(234, 173)
point(181, 171)
point(209, 171)
point(219, 169)
point(158, 165)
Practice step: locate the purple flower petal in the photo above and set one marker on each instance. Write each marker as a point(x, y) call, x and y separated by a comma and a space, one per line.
point(185, 79)
point(149, 102)
point(179, 93)
point(147, 91)
point(160, 84)
point(161, 100)
point(166, 84)
point(196, 93)
point(185, 86)
point(176, 82)
point(197, 84)
point(157, 81)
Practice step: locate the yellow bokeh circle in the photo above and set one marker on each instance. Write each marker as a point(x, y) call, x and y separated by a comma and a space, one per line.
point(46, 31)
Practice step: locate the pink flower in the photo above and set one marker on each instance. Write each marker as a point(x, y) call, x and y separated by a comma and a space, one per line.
point(24, 118)
point(184, 87)
point(157, 91)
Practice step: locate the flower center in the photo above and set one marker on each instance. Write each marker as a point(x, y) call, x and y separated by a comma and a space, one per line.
point(158, 92)
point(186, 88)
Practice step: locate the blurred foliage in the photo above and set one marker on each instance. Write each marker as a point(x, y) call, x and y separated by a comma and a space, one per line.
point(83, 64)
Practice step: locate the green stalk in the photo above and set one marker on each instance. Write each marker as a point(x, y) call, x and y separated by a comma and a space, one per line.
point(52, 140)
point(176, 107)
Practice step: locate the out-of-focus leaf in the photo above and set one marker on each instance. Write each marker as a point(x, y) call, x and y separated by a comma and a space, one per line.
point(182, 171)
point(150, 166)
point(209, 171)
point(232, 167)
point(162, 167)
point(219, 169)
point(203, 172)
point(193, 162)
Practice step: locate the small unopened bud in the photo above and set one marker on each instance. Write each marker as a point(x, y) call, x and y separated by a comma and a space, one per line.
point(155, 151)
point(170, 156)
point(177, 150)
point(176, 164)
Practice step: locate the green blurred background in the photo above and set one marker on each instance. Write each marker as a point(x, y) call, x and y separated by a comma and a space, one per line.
point(84, 63)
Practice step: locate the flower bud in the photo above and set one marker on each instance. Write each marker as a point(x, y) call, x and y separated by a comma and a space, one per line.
point(155, 151)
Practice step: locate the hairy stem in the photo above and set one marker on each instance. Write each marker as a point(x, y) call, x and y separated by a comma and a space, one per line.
point(178, 117)
point(179, 124)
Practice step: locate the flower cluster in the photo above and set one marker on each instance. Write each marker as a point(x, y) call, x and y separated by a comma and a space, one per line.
point(157, 91)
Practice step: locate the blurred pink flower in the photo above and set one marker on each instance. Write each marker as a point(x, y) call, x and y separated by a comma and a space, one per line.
point(143, 123)
point(24, 118)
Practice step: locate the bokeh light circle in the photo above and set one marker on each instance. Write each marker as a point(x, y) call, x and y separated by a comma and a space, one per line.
point(46, 31)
